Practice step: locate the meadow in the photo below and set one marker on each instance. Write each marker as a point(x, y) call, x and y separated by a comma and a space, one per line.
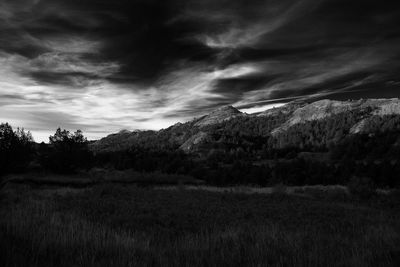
point(127, 225)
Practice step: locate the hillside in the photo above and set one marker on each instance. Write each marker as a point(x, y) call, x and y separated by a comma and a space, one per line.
point(218, 116)
point(322, 142)
point(226, 125)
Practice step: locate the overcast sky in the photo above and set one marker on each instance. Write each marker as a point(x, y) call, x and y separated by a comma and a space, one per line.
point(102, 65)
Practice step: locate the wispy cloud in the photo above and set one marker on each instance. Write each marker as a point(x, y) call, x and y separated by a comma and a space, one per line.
point(103, 66)
point(269, 18)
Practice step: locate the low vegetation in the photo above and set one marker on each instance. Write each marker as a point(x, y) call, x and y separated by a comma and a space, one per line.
point(234, 196)
point(131, 226)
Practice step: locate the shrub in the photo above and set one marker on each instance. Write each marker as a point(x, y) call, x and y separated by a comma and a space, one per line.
point(16, 149)
point(66, 152)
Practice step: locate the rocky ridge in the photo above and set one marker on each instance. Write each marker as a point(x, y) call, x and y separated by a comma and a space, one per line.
point(219, 115)
point(324, 108)
point(190, 135)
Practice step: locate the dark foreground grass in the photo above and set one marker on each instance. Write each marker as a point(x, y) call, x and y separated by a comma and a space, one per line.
point(130, 226)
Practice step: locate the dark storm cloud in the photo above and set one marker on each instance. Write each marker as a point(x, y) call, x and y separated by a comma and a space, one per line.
point(146, 37)
point(138, 35)
point(154, 60)
point(237, 33)
point(243, 84)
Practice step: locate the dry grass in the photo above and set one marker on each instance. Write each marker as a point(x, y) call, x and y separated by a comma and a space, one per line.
point(120, 226)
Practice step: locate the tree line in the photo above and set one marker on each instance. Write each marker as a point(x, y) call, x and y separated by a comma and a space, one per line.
point(233, 157)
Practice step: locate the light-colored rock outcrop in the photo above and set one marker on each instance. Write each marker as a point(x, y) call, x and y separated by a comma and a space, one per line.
point(191, 135)
point(359, 126)
point(315, 111)
point(219, 115)
point(324, 108)
point(194, 140)
point(387, 107)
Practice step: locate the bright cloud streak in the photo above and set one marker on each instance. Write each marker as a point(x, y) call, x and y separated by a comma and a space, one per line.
point(103, 66)
point(257, 109)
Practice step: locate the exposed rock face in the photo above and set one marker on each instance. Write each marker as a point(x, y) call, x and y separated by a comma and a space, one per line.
point(194, 135)
point(359, 127)
point(219, 115)
point(321, 109)
point(386, 106)
point(194, 140)
point(314, 111)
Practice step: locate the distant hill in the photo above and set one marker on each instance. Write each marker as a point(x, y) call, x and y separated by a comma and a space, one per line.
point(325, 142)
point(218, 116)
point(296, 124)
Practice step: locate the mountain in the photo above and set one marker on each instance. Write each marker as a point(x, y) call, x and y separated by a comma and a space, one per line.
point(184, 135)
point(218, 116)
point(325, 108)
point(296, 124)
point(320, 142)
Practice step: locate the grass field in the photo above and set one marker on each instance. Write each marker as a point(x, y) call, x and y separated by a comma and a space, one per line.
point(114, 225)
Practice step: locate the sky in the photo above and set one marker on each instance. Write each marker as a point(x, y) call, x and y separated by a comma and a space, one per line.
point(102, 66)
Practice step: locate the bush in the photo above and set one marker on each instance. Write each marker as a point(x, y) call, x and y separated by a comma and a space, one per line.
point(66, 152)
point(16, 149)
